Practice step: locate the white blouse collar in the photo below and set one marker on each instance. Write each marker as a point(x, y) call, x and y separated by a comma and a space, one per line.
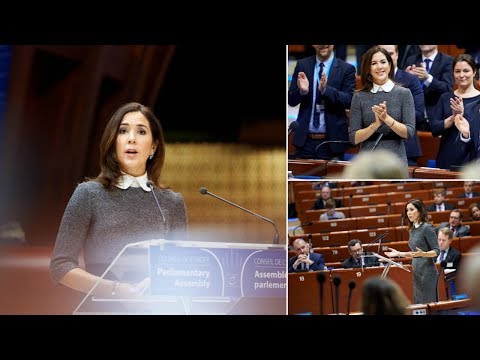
point(387, 87)
point(127, 180)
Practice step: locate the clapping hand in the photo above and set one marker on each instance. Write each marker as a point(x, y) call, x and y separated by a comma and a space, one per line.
point(456, 104)
point(380, 111)
point(302, 82)
point(462, 125)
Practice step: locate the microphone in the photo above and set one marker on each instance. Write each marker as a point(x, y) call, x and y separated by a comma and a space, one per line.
point(298, 226)
point(310, 243)
point(336, 281)
point(150, 185)
point(401, 226)
point(351, 286)
point(292, 127)
point(380, 241)
point(331, 142)
point(350, 206)
point(321, 280)
point(379, 238)
point(388, 213)
point(377, 141)
point(204, 191)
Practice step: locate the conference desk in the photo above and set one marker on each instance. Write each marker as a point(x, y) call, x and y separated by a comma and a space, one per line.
point(334, 169)
point(304, 289)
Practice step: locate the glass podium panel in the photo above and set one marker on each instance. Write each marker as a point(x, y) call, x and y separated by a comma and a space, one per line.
point(187, 277)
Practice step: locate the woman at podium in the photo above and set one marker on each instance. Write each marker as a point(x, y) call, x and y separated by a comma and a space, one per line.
point(424, 250)
point(124, 204)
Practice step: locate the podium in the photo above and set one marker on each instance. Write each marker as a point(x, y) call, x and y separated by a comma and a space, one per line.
point(389, 264)
point(188, 277)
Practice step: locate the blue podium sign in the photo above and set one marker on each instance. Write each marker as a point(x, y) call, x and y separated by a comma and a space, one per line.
point(217, 271)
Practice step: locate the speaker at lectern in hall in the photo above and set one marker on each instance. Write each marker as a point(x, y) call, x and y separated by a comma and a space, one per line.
point(187, 277)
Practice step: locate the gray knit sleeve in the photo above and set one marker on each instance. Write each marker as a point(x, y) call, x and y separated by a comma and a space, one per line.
point(431, 238)
point(355, 116)
point(72, 233)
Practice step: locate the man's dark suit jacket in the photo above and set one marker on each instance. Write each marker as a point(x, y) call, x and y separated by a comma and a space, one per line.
point(462, 231)
point(453, 256)
point(369, 261)
point(318, 205)
point(433, 207)
point(412, 145)
point(318, 263)
point(338, 95)
point(474, 194)
point(442, 71)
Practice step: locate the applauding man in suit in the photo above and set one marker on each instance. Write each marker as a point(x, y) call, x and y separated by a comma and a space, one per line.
point(323, 85)
point(435, 71)
point(410, 81)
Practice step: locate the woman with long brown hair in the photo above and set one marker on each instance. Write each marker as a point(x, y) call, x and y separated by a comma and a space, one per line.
point(424, 250)
point(382, 113)
point(117, 207)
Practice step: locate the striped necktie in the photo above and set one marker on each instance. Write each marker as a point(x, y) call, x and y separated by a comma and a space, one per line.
point(442, 256)
point(316, 114)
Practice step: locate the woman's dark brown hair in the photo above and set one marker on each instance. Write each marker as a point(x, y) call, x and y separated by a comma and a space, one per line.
point(470, 61)
point(421, 209)
point(382, 296)
point(109, 165)
point(366, 81)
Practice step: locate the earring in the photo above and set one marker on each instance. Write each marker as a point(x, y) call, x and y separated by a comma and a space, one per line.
point(150, 157)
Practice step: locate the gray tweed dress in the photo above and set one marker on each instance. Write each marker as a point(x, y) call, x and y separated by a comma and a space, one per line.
point(400, 107)
point(424, 271)
point(100, 222)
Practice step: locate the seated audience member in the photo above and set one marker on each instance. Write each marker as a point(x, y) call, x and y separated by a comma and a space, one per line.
point(474, 212)
point(469, 278)
point(355, 260)
point(469, 193)
point(319, 185)
point(331, 214)
point(451, 255)
point(325, 194)
point(439, 202)
point(381, 296)
point(455, 224)
point(380, 164)
point(305, 260)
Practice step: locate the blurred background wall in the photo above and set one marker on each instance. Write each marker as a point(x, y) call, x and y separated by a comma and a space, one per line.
point(221, 107)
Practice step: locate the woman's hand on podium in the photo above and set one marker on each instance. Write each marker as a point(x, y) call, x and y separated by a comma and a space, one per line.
point(129, 291)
